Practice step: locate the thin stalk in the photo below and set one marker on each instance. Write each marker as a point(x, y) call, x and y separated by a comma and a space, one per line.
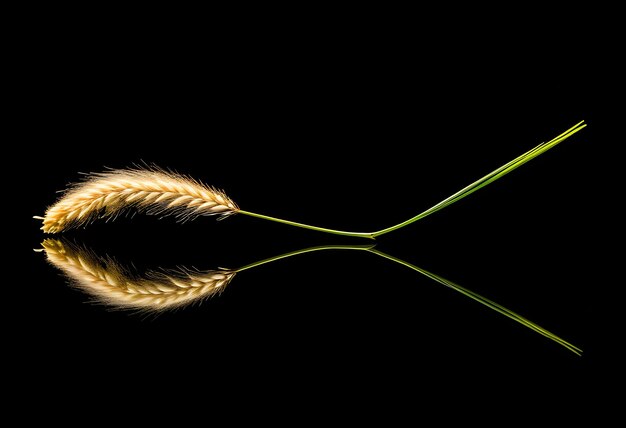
point(466, 191)
point(303, 251)
point(484, 301)
point(487, 179)
point(308, 226)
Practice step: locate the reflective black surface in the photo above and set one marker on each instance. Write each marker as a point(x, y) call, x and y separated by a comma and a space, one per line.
point(510, 242)
point(339, 149)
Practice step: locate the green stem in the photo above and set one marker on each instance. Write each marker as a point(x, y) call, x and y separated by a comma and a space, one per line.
point(308, 226)
point(483, 300)
point(489, 178)
point(466, 191)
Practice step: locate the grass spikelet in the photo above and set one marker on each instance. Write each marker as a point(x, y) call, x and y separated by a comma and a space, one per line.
point(151, 190)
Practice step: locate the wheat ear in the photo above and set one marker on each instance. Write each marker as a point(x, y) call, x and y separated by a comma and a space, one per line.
point(108, 282)
point(151, 190)
point(159, 192)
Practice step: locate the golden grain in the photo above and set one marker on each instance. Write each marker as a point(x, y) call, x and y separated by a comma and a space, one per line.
point(152, 190)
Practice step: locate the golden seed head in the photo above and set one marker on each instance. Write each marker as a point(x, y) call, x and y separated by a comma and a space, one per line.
point(153, 191)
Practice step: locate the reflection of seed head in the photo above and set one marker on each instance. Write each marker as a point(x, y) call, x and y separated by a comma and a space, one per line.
point(110, 283)
point(151, 190)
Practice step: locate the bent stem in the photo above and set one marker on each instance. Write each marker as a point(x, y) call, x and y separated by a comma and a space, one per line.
point(466, 191)
point(484, 301)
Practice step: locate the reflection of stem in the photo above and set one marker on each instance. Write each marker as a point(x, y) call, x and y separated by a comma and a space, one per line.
point(469, 293)
point(303, 251)
point(480, 299)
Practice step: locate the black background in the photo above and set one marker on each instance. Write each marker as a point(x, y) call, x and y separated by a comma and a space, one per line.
point(353, 134)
